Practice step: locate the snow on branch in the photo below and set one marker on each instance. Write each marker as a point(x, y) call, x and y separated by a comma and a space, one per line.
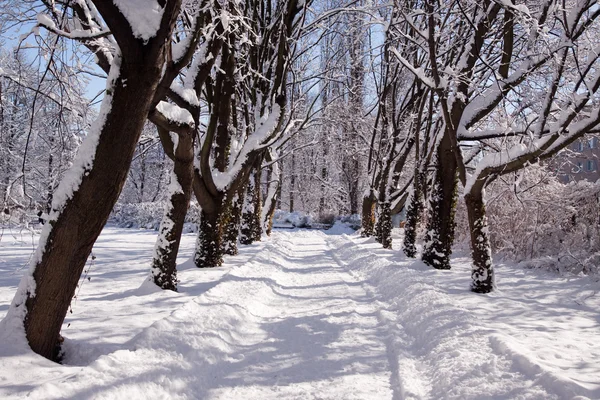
point(144, 16)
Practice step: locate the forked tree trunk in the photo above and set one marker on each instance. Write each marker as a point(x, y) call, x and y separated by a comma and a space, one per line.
point(442, 207)
point(483, 270)
point(368, 214)
point(83, 203)
point(164, 263)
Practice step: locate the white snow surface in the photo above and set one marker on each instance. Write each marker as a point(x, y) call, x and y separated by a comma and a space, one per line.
point(306, 315)
point(144, 16)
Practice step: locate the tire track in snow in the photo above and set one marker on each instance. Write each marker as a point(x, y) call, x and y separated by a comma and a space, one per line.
point(409, 377)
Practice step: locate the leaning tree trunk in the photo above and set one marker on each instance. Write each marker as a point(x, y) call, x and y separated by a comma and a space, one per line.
point(483, 269)
point(442, 207)
point(164, 263)
point(368, 214)
point(84, 200)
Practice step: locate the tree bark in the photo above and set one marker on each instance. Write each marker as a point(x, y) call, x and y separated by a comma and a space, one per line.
point(413, 216)
point(368, 214)
point(383, 232)
point(442, 207)
point(483, 269)
point(209, 243)
point(232, 229)
point(251, 229)
point(164, 263)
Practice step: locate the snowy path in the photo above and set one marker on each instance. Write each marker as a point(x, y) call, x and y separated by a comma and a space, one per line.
point(306, 315)
point(289, 323)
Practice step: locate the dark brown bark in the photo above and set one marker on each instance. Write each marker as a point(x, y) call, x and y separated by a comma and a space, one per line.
point(368, 214)
point(77, 225)
point(483, 269)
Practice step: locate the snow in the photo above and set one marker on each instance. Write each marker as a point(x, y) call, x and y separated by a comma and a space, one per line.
point(174, 113)
point(307, 314)
point(144, 16)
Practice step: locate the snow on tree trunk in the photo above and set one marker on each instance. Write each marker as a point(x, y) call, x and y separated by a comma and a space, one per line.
point(481, 249)
point(251, 229)
point(164, 263)
point(232, 228)
point(441, 209)
point(368, 214)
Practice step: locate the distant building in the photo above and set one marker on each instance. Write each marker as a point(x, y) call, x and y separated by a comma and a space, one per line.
point(579, 161)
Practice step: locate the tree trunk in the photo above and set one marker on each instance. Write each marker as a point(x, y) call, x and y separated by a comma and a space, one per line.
point(164, 263)
point(83, 203)
point(413, 216)
point(368, 214)
point(257, 216)
point(209, 243)
point(292, 182)
point(383, 232)
point(483, 269)
point(232, 228)
point(271, 198)
point(251, 212)
point(442, 207)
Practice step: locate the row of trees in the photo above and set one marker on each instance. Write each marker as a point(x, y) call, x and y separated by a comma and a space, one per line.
point(251, 102)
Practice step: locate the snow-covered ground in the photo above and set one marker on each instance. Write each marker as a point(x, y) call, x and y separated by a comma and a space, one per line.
point(307, 315)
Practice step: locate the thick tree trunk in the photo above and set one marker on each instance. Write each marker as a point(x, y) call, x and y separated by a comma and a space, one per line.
point(209, 243)
point(368, 214)
point(83, 203)
point(164, 263)
point(483, 269)
point(442, 207)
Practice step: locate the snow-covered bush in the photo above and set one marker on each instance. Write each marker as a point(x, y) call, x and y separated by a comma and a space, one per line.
point(297, 219)
point(149, 215)
point(542, 223)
